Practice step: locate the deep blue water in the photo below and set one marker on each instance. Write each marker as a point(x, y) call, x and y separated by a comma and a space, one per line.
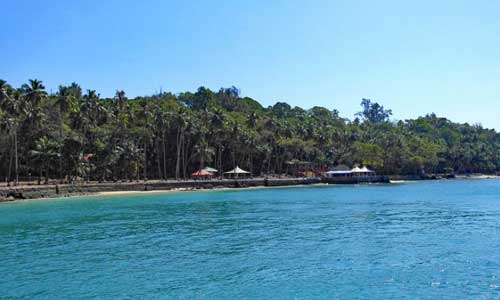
point(424, 240)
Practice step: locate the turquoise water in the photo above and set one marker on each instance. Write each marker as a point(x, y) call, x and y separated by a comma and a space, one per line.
point(425, 240)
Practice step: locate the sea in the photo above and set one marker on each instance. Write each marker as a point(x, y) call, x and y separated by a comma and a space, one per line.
point(414, 240)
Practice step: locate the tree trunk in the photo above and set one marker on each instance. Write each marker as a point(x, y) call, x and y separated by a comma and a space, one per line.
point(234, 162)
point(185, 157)
point(16, 158)
point(145, 162)
point(46, 175)
point(61, 133)
point(202, 158)
point(40, 174)
point(221, 172)
point(125, 162)
point(164, 158)
point(137, 171)
point(11, 157)
point(178, 160)
point(268, 163)
point(88, 171)
point(158, 162)
point(250, 161)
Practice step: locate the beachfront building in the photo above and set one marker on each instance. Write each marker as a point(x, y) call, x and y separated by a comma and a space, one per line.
point(211, 170)
point(202, 174)
point(237, 173)
point(354, 172)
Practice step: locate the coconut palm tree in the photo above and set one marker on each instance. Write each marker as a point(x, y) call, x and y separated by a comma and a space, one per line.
point(11, 104)
point(67, 101)
point(5, 88)
point(34, 92)
point(120, 96)
point(9, 125)
point(44, 153)
point(181, 122)
point(145, 133)
point(160, 124)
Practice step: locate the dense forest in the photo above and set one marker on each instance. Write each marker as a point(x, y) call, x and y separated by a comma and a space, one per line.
point(72, 134)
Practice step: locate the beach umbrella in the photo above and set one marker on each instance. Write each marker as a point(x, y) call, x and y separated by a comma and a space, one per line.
point(201, 173)
point(211, 170)
point(237, 170)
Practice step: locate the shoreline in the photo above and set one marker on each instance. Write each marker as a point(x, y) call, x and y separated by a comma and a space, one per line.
point(29, 192)
point(481, 176)
point(112, 194)
point(222, 189)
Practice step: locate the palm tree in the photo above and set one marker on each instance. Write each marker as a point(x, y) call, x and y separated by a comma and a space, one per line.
point(120, 95)
point(34, 92)
point(181, 121)
point(9, 125)
point(12, 105)
point(160, 124)
point(5, 88)
point(145, 116)
point(93, 108)
point(66, 101)
point(44, 152)
point(217, 121)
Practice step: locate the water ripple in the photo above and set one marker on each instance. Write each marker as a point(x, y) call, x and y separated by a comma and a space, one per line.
point(416, 241)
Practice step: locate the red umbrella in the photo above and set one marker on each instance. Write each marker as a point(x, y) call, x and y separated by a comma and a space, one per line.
point(202, 173)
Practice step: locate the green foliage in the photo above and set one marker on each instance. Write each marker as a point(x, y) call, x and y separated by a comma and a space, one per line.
point(374, 112)
point(71, 134)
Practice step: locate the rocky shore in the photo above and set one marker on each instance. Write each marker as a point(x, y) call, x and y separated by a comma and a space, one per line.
point(77, 189)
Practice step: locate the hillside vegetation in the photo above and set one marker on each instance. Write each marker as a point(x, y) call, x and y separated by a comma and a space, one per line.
point(75, 134)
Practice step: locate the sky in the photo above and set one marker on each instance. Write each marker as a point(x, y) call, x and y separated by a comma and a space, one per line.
point(414, 57)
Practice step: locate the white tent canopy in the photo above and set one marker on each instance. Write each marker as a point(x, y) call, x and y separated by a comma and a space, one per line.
point(211, 170)
point(365, 169)
point(356, 169)
point(237, 170)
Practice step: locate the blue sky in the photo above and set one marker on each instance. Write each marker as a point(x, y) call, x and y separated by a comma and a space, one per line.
point(414, 57)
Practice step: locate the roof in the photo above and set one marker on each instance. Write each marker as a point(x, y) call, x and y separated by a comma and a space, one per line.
point(365, 169)
point(354, 170)
point(237, 170)
point(339, 172)
point(201, 173)
point(211, 170)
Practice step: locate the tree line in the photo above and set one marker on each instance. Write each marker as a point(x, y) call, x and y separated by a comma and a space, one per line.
point(72, 134)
